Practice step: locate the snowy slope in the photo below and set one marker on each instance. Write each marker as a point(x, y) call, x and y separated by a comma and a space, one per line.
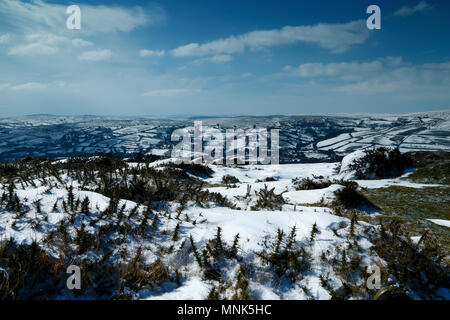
point(255, 229)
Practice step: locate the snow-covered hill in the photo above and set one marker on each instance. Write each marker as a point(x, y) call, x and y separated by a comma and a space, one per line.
point(302, 138)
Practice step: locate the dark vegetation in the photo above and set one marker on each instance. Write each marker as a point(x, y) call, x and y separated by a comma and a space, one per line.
point(431, 167)
point(114, 179)
point(413, 206)
point(380, 163)
point(267, 179)
point(418, 268)
point(198, 170)
point(213, 258)
point(267, 199)
point(229, 180)
point(350, 197)
point(28, 272)
point(311, 184)
point(414, 270)
point(286, 257)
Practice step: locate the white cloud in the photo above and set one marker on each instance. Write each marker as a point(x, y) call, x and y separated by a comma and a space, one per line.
point(80, 43)
point(334, 69)
point(381, 76)
point(29, 85)
point(57, 84)
point(96, 55)
point(37, 14)
point(219, 59)
point(4, 38)
point(151, 53)
point(35, 48)
point(246, 74)
point(443, 66)
point(166, 93)
point(46, 44)
point(407, 79)
point(335, 37)
point(392, 61)
point(408, 11)
point(372, 86)
point(112, 19)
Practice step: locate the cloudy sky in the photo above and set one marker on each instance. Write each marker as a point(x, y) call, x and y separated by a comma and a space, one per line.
point(175, 57)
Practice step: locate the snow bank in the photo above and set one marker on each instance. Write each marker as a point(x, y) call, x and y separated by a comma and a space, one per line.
point(445, 223)
point(312, 196)
point(346, 173)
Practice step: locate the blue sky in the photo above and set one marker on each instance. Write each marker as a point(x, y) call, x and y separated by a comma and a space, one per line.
point(194, 57)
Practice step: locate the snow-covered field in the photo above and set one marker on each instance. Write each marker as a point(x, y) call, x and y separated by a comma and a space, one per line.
point(334, 237)
point(302, 138)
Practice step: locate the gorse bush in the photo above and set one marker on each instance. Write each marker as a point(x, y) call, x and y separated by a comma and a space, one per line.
point(286, 256)
point(418, 267)
point(198, 170)
point(229, 180)
point(214, 255)
point(91, 238)
point(267, 179)
point(310, 184)
point(350, 198)
point(28, 272)
point(267, 199)
point(381, 163)
point(115, 179)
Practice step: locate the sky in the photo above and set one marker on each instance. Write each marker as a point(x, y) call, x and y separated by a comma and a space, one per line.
point(217, 57)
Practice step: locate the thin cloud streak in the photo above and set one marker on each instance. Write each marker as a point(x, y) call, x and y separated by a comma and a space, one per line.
point(337, 38)
point(406, 11)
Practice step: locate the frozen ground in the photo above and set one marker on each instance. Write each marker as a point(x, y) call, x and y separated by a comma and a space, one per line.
point(254, 226)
